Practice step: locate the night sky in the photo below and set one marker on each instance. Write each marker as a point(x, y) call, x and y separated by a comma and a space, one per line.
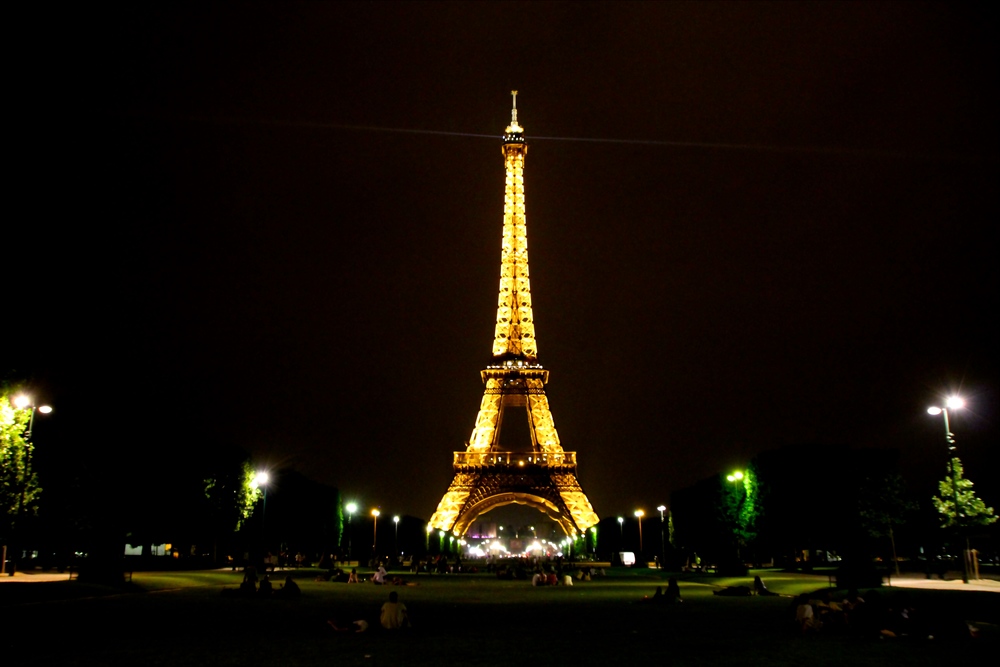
point(278, 226)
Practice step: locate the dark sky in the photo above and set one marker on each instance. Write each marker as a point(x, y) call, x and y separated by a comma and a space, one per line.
point(774, 225)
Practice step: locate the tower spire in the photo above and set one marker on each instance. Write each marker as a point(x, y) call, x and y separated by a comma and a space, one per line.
point(513, 128)
point(514, 337)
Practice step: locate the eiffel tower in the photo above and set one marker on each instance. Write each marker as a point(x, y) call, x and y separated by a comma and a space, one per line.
point(488, 475)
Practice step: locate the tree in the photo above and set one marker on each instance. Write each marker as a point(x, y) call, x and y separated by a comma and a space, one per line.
point(233, 494)
point(19, 489)
point(971, 511)
point(882, 505)
point(961, 509)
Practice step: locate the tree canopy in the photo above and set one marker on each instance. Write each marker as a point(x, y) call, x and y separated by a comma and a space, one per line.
point(19, 488)
point(972, 511)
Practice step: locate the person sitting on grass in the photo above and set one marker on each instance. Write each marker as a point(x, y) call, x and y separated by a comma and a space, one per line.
point(393, 615)
point(266, 587)
point(805, 618)
point(289, 590)
point(354, 626)
point(657, 596)
point(673, 593)
point(759, 587)
point(353, 578)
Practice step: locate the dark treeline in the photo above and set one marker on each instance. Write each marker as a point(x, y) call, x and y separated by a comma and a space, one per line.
point(805, 505)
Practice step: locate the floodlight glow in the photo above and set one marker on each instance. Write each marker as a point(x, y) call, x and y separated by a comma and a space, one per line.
point(661, 508)
point(262, 478)
point(375, 513)
point(640, 513)
point(21, 401)
point(395, 519)
point(430, 529)
point(351, 508)
point(955, 402)
point(621, 520)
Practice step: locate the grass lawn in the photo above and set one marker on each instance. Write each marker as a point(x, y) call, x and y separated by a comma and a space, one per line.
point(181, 618)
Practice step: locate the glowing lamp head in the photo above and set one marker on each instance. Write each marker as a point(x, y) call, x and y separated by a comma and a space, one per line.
point(395, 519)
point(955, 403)
point(351, 508)
point(430, 529)
point(261, 478)
point(934, 411)
point(21, 401)
point(621, 519)
point(661, 508)
point(375, 513)
point(640, 513)
point(45, 409)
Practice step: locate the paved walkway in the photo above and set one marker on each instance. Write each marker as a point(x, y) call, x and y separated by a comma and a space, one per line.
point(915, 581)
point(32, 576)
point(903, 581)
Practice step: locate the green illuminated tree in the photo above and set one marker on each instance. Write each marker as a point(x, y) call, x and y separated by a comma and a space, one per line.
point(741, 504)
point(19, 489)
point(971, 510)
point(233, 494)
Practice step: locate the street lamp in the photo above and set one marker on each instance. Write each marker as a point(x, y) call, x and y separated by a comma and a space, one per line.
point(663, 545)
point(395, 541)
point(22, 402)
point(375, 514)
point(639, 514)
point(261, 479)
point(736, 478)
point(351, 509)
point(955, 403)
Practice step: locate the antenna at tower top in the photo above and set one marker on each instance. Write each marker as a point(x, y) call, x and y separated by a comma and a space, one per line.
point(514, 130)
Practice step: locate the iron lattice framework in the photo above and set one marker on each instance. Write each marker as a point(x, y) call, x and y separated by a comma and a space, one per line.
point(544, 476)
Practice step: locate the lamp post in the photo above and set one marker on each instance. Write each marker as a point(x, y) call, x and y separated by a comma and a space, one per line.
point(621, 535)
point(22, 402)
point(395, 540)
point(955, 403)
point(639, 514)
point(351, 509)
point(736, 478)
point(663, 545)
point(375, 514)
point(260, 480)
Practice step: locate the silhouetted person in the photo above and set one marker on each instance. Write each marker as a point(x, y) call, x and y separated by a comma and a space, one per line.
point(673, 593)
point(393, 615)
point(759, 587)
point(265, 587)
point(290, 589)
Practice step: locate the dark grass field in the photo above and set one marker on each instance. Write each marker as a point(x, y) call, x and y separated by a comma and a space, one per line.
point(183, 619)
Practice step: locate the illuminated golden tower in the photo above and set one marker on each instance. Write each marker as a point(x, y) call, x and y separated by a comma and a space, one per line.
point(538, 474)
